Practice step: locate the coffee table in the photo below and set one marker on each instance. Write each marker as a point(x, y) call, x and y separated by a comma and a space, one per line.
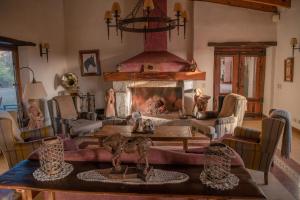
point(20, 178)
point(161, 133)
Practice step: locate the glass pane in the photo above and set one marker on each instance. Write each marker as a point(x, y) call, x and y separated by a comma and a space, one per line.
point(8, 97)
point(249, 76)
point(226, 67)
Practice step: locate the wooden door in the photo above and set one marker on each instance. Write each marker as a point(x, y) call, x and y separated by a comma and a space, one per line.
point(251, 82)
point(225, 76)
point(241, 71)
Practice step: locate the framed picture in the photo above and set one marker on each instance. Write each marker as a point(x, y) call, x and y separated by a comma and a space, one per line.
point(289, 69)
point(90, 62)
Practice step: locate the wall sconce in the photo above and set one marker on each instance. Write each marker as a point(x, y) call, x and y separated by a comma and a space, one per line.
point(294, 43)
point(44, 50)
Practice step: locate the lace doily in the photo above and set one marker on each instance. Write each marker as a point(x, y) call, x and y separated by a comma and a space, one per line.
point(159, 177)
point(39, 175)
point(227, 183)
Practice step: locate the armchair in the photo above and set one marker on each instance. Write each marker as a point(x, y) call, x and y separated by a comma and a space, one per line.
point(257, 148)
point(74, 122)
point(14, 151)
point(215, 124)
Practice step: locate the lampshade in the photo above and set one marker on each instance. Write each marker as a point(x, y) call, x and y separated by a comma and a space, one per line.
point(34, 90)
point(116, 7)
point(148, 4)
point(177, 7)
point(108, 15)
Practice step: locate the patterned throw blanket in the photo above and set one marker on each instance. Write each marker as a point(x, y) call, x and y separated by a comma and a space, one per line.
point(286, 146)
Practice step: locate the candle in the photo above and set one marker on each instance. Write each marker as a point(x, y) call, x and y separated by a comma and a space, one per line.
point(177, 7)
point(148, 4)
point(116, 7)
point(294, 41)
point(108, 15)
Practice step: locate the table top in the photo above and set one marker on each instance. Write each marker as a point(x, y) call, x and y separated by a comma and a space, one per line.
point(159, 132)
point(20, 177)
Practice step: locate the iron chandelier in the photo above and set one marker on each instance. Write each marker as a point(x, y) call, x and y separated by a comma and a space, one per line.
point(142, 19)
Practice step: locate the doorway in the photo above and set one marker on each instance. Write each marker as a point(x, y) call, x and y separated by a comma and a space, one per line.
point(241, 71)
point(9, 79)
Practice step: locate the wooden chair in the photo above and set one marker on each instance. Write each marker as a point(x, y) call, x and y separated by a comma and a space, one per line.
point(14, 151)
point(74, 122)
point(225, 121)
point(257, 148)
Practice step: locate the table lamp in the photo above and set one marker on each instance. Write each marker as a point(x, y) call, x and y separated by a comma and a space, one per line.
point(33, 92)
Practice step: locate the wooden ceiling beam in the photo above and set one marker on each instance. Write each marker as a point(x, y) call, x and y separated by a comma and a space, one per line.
point(244, 4)
point(280, 3)
point(13, 42)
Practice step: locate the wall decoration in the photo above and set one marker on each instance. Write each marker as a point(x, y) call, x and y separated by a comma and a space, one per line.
point(90, 62)
point(289, 69)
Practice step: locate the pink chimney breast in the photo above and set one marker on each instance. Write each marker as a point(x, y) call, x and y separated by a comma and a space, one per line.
point(157, 41)
point(161, 61)
point(155, 58)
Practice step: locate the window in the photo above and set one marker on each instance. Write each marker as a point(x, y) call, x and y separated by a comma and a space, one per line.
point(9, 79)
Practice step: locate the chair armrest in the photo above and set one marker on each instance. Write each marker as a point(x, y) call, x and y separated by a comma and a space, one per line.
point(247, 133)
point(225, 120)
point(88, 115)
point(206, 115)
point(241, 145)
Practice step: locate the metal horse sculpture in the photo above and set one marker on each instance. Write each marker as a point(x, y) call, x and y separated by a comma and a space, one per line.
point(117, 144)
point(88, 62)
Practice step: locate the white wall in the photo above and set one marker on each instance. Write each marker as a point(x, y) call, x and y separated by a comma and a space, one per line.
point(73, 25)
point(86, 29)
point(286, 94)
point(36, 21)
point(178, 45)
point(220, 23)
point(269, 80)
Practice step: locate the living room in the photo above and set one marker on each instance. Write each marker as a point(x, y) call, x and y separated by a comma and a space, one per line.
point(158, 68)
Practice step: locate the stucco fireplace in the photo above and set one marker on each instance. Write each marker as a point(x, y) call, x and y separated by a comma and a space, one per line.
point(168, 97)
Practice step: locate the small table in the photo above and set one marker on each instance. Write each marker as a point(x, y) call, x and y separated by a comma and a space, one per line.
point(161, 133)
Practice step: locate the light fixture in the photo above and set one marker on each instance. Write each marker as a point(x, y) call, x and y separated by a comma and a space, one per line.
point(33, 92)
point(34, 89)
point(294, 43)
point(44, 49)
point(147, 22)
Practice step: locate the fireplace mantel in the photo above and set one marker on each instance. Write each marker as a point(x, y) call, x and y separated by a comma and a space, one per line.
point(153, 76)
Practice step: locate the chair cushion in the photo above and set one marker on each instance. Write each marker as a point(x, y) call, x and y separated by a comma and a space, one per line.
point(66, 107)
point(229, 105)
point(82, 126)
point(13, 125)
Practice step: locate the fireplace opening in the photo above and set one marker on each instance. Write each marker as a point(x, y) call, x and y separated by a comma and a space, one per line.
point(156, 100)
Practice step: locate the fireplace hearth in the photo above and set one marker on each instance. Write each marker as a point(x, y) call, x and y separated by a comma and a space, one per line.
point(156, 100)
point(149, 97)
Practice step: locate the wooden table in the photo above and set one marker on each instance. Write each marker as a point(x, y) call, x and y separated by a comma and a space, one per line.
point(161, 133)
point(20, 178)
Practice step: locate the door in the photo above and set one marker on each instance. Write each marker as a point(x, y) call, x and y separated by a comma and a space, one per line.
point(9, 79)
point(226, 68)
point(251, 82)
point(241, 71)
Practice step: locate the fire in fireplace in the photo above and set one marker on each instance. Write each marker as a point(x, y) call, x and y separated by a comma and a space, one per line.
point(156, 100)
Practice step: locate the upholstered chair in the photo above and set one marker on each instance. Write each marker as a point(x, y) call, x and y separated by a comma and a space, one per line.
point(257, 148)
point(217, 124)
point(14, 150)
point(73, 122)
